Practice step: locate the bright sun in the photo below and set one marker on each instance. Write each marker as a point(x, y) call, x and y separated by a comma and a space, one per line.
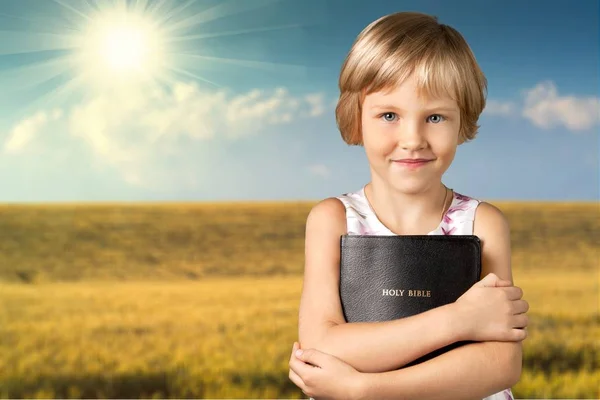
point(129, 47)
point(121, 48)
point(125, 48)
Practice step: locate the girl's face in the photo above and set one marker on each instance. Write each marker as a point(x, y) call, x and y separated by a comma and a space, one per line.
point(398, 127)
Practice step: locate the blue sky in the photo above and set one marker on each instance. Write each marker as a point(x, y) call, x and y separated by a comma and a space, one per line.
point(242, 107)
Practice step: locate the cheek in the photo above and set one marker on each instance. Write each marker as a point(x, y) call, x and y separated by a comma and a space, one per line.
point(449, 154)
point(444, 143)
point(376, 140)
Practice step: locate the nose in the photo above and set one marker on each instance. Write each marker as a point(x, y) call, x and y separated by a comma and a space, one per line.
point(410, 136)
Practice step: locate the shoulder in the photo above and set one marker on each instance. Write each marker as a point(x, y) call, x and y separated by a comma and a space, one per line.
point(490, 221)
point(492, 228)
point(328, 214)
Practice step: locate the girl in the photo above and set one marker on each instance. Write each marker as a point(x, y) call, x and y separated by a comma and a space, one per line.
point(411, 92)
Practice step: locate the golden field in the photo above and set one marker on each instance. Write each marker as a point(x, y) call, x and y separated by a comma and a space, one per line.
point(201, 301)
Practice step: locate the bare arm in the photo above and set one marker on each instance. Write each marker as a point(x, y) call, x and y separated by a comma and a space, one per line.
point(368, 347)
point(472, 371)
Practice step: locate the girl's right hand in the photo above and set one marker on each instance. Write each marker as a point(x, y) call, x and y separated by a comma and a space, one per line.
point(493, 310)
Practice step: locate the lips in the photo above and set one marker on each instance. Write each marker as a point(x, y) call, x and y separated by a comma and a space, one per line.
point(412, 163)
point(413, 160)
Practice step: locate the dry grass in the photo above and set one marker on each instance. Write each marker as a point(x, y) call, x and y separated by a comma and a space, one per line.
point(201, 301)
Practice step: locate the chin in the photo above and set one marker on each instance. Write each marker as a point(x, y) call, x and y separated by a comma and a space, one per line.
point(411, 185)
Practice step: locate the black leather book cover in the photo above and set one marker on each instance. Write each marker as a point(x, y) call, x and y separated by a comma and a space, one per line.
point(384, 278)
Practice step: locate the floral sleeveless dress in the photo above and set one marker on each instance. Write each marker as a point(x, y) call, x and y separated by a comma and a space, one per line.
point(458, 220)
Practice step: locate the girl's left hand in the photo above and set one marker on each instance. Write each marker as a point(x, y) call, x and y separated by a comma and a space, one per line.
point(323, 376)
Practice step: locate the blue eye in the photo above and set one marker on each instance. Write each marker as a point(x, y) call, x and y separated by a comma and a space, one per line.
point(389, 116)
point(436, 120)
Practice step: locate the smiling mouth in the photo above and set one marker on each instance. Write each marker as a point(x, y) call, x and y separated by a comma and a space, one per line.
point(413, 160)
point(412, 163)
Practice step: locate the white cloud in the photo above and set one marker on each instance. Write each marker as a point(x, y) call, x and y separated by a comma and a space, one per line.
point(320, 170)
point(317, 103)
point(25, 131)
point(500, 108)
point(546, 109)
point(135, 131)
point(251, 112)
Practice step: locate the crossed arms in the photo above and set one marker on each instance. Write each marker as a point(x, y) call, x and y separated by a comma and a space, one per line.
point(379, 349)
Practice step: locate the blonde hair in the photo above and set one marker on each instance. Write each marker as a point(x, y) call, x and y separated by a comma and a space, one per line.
point(398, 45)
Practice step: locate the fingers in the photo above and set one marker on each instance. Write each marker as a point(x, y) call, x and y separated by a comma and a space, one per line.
point(513, 292)
point(488, 281)
point(294, 363)
point(520, 321)
point(492, 280)
point(313, 357)
point(520, 306)
point(503, 283)
point(300, 367)
point(297, 365)
point(518, 335)
point(295, 347)
point(294, 377)
point(300, 383)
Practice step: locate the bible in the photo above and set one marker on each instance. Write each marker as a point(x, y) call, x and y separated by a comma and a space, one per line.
point(383, 278)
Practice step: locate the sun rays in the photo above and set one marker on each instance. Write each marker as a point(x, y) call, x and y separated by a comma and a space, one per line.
point(121, 48)
point(121, 44)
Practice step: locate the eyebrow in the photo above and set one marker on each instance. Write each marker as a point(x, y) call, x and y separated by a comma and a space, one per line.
point(391, 107)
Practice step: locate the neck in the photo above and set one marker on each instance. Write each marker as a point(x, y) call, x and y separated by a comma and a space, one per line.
point(408, 212)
